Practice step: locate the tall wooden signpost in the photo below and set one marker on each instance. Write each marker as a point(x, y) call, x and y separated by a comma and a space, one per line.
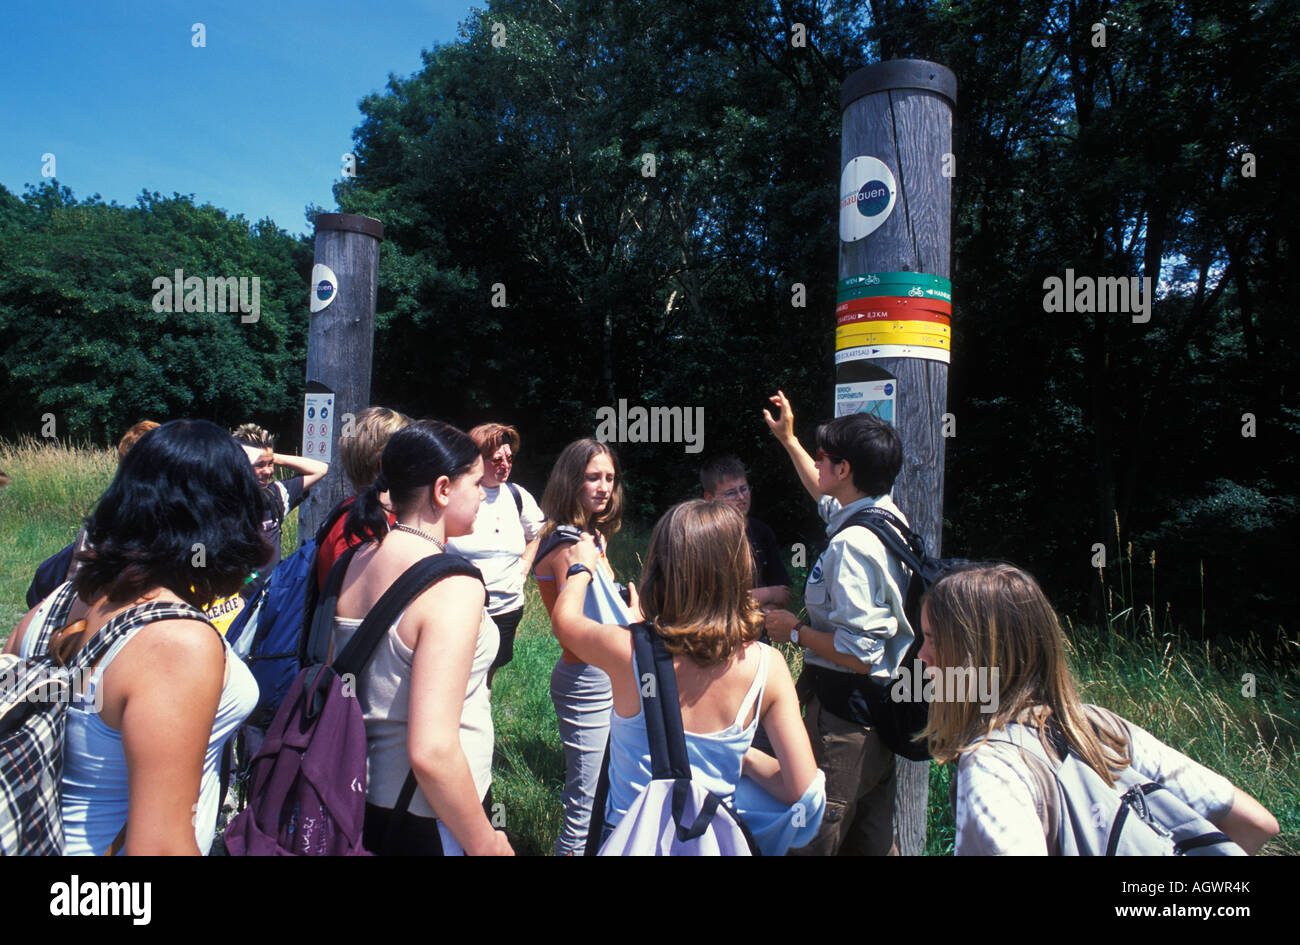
point(340, 345)
point(894, 299)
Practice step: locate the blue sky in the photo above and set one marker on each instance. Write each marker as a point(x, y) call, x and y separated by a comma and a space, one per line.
point(255, 122)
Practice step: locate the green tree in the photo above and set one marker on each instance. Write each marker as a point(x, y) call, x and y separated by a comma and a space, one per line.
point(82, 339)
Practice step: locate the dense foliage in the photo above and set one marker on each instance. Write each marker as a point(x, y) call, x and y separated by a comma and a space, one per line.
point(85, 353)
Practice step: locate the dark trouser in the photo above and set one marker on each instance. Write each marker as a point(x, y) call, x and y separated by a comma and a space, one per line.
point(762, 742)
point(859, 768)
point(412, 836)
point(507, 625)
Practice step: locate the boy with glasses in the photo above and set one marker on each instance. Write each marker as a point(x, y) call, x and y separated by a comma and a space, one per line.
point(724, 479)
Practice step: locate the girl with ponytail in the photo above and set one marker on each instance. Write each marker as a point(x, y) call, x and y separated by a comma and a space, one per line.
point(424, 695)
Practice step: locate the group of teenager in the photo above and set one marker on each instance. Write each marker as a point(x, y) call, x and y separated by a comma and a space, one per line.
point(144, 740)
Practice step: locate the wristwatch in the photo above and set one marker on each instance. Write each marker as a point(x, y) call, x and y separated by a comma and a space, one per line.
point(794, 634)
point(579, 569)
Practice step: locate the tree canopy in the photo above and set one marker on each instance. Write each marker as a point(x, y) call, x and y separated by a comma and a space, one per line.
point(81, 339)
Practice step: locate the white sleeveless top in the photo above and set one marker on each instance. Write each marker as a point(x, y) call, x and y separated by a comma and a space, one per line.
point(384, 693)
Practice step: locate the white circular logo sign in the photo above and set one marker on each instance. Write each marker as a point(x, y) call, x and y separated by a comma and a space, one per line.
point(867, 193)
point(324, 286)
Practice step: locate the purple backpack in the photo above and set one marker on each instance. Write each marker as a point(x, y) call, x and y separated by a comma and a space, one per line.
point(308, 778)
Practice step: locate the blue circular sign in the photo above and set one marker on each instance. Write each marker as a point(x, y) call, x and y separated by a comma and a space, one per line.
point(873, 197)
point(889, 389)
point(311, 413)
point(324, 290)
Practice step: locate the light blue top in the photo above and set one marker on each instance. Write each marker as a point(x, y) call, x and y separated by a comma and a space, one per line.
point(94, 786)
point(716, 758)
point(602, 603)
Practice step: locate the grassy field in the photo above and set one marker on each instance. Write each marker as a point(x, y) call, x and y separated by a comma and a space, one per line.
point(1236, 711)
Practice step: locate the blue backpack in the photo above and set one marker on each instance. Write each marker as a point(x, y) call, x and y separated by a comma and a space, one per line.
point(274, 617)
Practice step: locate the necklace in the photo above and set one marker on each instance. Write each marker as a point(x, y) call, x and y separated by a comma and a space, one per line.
point(415, 531)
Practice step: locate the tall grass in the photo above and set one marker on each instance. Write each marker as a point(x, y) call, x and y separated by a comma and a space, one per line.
point(1233, 711)
point(54, 485)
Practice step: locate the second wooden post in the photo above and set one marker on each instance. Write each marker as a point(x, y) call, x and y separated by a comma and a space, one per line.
point(894, 301)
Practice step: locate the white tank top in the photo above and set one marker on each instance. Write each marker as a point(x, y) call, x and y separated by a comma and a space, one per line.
point(384, 693)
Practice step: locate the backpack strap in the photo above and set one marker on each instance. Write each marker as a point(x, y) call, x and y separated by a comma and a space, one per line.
point(56, 618)
point(662, 711)
point(519, 500)
point(280, 503)
point(560, 535)
point(1046, 788)
point(414, 581)
point(596, 823)
point(114, 631)
point(899, 540)
point(664, 731)
point(316, 642)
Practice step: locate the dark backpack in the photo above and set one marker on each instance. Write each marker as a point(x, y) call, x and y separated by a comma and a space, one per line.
point(54, 570)
point(308, 794)
point(673, 815)
point(560, 535)
point(861, 698)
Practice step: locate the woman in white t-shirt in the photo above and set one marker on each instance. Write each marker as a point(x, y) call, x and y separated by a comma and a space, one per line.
point(505, 535)
point(996, 619)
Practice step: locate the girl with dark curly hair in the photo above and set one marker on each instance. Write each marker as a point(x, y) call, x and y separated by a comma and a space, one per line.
point(179, 525)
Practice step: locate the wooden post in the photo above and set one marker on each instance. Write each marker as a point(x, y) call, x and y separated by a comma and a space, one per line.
point(891, 321)
point(340, 343)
